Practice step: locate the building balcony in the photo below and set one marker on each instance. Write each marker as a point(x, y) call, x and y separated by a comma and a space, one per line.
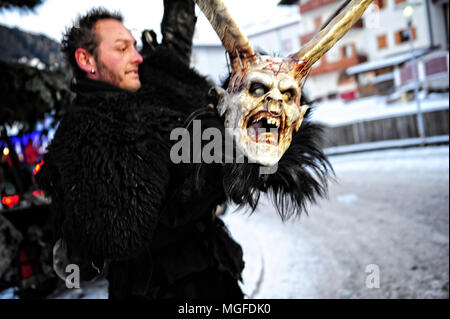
point(314, 4)
point(308, 36)
point(343, 63)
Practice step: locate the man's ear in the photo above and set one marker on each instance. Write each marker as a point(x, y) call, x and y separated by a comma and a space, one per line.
point(86, 62)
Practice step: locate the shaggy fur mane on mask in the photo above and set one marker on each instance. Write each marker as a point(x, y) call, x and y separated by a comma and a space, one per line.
point(300, 178)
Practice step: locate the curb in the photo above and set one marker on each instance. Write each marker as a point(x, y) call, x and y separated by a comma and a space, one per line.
point(383, 145)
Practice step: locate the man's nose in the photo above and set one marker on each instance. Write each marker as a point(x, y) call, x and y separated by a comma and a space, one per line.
point(137, 57)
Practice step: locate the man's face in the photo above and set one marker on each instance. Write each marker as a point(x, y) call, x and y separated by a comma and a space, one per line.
point(117, 58)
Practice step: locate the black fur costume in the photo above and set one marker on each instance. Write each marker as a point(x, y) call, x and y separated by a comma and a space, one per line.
point(118, 199)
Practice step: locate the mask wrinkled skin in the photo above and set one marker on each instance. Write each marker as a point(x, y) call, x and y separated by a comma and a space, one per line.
point(262, 107)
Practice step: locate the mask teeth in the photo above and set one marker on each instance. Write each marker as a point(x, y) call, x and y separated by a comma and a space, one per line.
point(274, 121)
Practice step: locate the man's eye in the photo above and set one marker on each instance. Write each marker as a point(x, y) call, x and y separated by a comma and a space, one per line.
point(258, 89)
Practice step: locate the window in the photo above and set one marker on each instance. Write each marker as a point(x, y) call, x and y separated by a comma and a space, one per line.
point(406, 74)
point(347, 51)
point(382, 42)
point(381, 4)
point(437, 65)
point(287, 45)
point(332, 96)
point(318, 22)
point(403, 35)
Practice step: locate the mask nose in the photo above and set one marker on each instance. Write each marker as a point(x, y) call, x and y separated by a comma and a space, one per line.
point(274, 103)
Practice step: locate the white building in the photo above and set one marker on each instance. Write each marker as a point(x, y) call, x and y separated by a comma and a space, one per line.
point(388, 68)
point(368, 58)
point(325, 79)
point(278, 35)
point(372, 58)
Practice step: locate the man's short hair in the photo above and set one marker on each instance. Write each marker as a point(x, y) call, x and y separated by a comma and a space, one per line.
point(82, 35)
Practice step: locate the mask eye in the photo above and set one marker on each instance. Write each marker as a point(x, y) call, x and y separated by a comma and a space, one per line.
point(288, 95)
point(258, 89)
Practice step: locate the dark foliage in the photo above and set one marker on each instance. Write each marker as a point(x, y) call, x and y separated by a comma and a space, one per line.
point(22, 4)
point(28, 94)
point(288, 2)
point(15, 44)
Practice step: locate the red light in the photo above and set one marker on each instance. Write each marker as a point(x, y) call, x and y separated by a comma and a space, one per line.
point(38, 167)
point(10, 201)
point(38, 193)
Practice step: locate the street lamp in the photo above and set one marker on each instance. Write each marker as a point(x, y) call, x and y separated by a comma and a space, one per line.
point(408, 12)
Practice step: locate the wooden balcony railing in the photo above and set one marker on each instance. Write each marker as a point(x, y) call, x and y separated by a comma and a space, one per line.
point(313, 4)
point(324, 66)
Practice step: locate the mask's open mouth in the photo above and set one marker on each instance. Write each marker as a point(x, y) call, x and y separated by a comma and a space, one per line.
point(262, 127)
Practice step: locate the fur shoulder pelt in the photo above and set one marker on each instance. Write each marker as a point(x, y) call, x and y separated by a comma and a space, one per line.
point(107, 169)
point(107, 174)
point(172, 84)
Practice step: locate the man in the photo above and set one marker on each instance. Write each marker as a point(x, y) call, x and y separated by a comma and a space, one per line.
point(31, 153)
point(31, 157)
point(121, 208)
point(107, 51)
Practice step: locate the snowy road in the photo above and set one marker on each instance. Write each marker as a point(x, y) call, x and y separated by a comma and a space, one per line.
point(387, 208)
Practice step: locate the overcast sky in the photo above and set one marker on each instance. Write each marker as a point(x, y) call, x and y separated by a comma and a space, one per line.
point(53, 16)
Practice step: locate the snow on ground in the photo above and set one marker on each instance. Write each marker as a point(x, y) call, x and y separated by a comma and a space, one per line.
point(8, 294)
point(388, 208)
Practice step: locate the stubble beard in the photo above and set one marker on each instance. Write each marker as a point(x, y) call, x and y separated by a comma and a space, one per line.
point(106, 75)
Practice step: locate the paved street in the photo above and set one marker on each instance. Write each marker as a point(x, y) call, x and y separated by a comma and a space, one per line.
point(387, 208)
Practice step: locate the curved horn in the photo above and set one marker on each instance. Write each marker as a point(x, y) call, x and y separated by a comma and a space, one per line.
point(330, 33)
point(235, 43)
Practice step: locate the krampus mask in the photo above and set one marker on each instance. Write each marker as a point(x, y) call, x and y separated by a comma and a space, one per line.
point(262, 102)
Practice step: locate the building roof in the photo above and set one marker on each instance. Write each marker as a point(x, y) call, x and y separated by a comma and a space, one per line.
point(288, 2)
point(278, 18)
point(382, 63)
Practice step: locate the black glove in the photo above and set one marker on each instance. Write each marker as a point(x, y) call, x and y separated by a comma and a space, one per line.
point(149, 42)
point(178, 26)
